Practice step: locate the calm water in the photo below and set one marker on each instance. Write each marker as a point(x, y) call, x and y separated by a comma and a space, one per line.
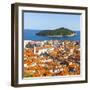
point(31, 35)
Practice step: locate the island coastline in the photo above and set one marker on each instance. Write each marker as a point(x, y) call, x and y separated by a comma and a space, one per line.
point(62, 35)
point(60, 32)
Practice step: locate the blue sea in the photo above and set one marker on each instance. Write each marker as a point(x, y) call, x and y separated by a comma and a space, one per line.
point(31, 35)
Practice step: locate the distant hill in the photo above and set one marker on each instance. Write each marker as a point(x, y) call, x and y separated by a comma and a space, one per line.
point(59, 32)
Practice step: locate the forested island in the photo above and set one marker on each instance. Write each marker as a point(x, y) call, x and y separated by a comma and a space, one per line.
point(59, 32)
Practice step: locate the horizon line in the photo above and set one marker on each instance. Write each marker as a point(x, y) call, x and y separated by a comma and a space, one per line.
point(47, 29)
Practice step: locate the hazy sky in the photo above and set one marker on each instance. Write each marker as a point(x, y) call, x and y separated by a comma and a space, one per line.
point(44, 21)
